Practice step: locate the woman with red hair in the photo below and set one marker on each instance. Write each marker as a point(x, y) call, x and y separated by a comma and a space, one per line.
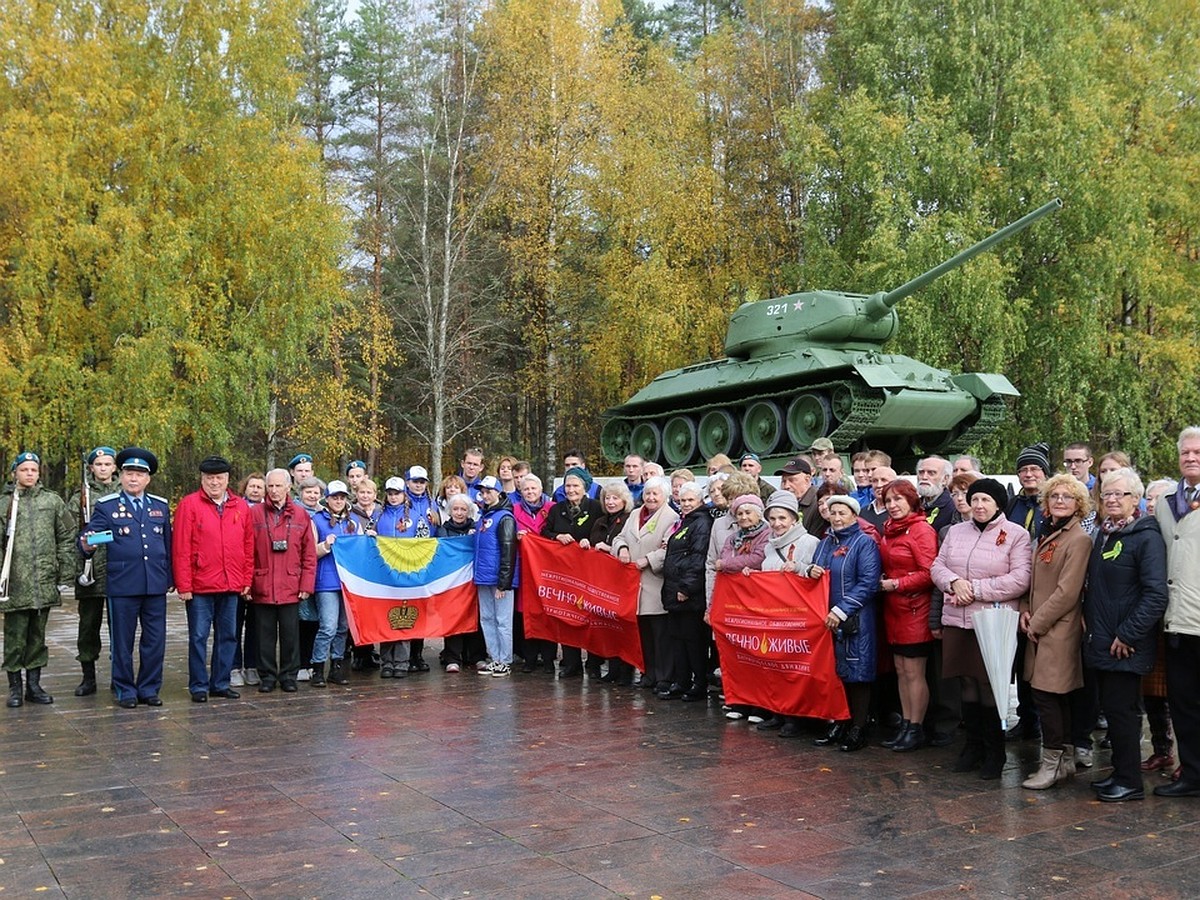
point(908, 549)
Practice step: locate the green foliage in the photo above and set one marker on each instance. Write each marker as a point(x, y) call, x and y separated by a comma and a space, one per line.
point(166, 252)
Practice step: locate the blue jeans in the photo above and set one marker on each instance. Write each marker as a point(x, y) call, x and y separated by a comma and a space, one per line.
point(330, 641)
point(496, 622)
point(216, 613)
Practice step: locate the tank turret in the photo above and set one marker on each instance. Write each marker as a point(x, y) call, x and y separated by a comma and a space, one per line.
point(810, 365)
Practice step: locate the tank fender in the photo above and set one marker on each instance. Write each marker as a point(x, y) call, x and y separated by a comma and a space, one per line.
point(985, 385)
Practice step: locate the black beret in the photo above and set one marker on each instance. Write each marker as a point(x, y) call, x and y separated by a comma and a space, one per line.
point(215, 465)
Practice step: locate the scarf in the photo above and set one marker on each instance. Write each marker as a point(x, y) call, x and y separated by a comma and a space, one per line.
point(1109, 526)
point(744, 537)
point(1050, 526)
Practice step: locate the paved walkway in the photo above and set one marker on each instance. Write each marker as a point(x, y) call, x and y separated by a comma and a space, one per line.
point(463, 786)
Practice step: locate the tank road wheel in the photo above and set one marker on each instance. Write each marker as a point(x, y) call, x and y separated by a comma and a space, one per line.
point(614, 439)
point(646, 441)
point(679, 441)
point(843, 402)
point(809, 417)
point(718, 433)
point(762, 427)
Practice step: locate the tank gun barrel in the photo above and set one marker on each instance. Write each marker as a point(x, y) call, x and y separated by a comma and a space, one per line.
point(880, 303)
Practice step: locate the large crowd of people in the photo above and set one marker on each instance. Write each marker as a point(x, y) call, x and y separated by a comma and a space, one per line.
point(1101, 571)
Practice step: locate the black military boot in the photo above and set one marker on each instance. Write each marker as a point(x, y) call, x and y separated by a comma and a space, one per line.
point(14, 690)
point(87, 687)
point(33, 687)
point(318, 675)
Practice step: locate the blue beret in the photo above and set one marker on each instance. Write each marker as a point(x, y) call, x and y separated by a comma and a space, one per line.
point(27, 456)
point(354, 464)
point(101, 451)
point(299, 458)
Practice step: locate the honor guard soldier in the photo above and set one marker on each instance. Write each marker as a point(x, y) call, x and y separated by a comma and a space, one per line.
point(136, 527)
point(37, 567)
point(90, 583)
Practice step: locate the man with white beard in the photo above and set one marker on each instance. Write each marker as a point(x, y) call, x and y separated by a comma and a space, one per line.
point(933, 480)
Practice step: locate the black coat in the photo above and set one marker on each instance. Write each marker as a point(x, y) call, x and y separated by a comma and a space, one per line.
point(1126, 596)
point(683, 566)
point(560, 520)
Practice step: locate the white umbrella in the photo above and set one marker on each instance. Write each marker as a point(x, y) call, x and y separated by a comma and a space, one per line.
point(996, 630)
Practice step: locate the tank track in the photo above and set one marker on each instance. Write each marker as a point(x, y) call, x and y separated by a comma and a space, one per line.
point(864, 411)
point(991, 417)
point(865, 405)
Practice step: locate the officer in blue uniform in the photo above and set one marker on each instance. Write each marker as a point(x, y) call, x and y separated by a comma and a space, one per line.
point(139, 576)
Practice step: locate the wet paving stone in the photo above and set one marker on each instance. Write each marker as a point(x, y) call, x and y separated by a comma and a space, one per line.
point(460, 786)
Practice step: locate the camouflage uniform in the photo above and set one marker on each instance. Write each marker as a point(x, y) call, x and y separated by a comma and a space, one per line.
point(93, 598)
point(43, 558)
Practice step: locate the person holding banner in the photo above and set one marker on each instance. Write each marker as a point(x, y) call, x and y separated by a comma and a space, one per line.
point(790, 548)
point(569, 521)
point(641, 543)
point(530, 512)
point(852, 560)
point(742, 553)
point(683, 595)
point(617, 501)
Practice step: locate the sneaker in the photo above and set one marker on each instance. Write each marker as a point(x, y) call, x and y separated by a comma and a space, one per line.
point(304, 675)
point(1083, 757)
point(484, 667)
point(733, 714)
point(236, 679)
point(500, 670)
point(453, 668)
point(755, 719)
point(251, 676)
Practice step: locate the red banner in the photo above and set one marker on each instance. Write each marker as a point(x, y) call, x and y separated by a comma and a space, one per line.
point(581, 598)
point(775, 649)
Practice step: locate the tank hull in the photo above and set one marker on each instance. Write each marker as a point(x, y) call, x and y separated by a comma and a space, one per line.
point(781, 403)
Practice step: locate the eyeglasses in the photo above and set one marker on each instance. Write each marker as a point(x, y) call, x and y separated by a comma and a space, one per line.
point(1115, 495)
point(1060, 498)
point(1075, 462)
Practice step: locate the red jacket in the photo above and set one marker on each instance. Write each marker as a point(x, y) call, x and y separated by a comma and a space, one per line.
point(280, 576)
point(908, 549)
point(211, 552)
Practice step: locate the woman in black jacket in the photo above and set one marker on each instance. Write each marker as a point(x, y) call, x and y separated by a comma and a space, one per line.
point(683, 596)
point(569, 522)
point(1126, 596)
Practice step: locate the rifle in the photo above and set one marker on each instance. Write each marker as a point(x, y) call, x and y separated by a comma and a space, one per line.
point(8, 547)
point(85, 579)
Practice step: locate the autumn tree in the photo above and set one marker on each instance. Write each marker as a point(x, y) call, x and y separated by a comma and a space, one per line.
point(165, 246)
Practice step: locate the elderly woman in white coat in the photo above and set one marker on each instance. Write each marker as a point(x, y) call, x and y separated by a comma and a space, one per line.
point(641, 542)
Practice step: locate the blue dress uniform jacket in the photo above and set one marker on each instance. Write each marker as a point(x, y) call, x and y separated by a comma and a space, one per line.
point(139, 557)
point(139, 576)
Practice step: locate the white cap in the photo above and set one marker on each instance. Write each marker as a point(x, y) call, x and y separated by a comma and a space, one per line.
point(491, 483)
point(336, 487)
point(395, 483)
point(415, 472)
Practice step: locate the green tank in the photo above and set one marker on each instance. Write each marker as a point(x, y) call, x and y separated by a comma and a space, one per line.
point(809, 365)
